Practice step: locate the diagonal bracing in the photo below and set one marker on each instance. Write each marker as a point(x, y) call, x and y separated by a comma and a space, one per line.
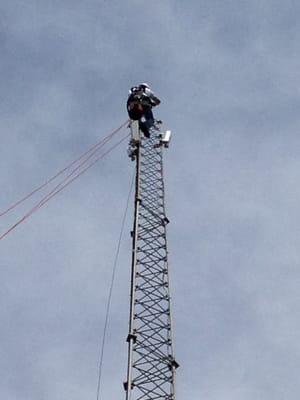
point(151, 363)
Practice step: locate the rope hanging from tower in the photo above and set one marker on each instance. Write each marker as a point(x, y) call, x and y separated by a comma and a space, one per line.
point(69, 174)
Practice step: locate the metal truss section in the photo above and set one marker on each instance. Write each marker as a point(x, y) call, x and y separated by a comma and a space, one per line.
point(151, 363)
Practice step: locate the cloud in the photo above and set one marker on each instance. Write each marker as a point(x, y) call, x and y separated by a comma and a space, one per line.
point(228, 78)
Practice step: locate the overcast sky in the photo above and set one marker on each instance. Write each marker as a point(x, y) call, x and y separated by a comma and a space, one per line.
point(228, 75)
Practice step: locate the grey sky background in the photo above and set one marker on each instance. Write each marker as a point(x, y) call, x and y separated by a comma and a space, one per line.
point(228, 76)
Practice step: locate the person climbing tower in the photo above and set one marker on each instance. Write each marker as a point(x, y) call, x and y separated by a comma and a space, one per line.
point(140, 102)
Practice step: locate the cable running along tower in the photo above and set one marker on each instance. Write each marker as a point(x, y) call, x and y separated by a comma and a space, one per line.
point(151, 362)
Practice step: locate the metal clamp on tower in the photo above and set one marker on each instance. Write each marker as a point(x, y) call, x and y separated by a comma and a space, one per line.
point(135, 131)
point(135, 139)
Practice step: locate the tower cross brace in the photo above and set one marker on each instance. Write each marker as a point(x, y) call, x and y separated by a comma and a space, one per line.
point(151, 363)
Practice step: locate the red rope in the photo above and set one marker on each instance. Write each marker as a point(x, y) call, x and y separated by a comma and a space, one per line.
point(55, 192)
point(92, 150)
point(59, 188)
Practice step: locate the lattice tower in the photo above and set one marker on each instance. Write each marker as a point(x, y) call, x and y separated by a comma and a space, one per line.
point(151, 362)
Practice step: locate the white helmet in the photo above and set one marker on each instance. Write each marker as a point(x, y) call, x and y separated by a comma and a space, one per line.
point(144, 85)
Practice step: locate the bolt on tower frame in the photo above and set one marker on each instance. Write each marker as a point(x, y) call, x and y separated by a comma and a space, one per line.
point(151, 362)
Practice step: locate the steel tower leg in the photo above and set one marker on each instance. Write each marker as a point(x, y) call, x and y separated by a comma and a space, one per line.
point(151, 362)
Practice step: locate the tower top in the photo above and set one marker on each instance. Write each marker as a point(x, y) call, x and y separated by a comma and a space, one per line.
point(136, 136)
